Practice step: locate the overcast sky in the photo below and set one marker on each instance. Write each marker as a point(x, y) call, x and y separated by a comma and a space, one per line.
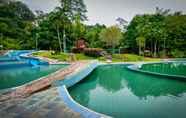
point(106, 11)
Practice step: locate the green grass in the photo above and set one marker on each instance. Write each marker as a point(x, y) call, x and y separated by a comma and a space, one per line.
point(77, 57)
point(63, 56)
point(83, 57)
point(131, 58)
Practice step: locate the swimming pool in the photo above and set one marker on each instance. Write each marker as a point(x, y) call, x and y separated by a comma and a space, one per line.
point(171, 68)
point(119, 92)
point(20, 74)
point(16, 71)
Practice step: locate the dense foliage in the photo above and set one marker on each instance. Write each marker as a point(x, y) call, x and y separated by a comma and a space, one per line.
point(164, 33)
point(159, 34)
point(15, 25)
point(111, 36)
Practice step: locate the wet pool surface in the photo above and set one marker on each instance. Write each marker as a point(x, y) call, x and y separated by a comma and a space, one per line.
point(118, 92)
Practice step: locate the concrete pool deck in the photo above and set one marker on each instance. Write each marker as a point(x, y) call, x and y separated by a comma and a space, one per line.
point(45, 104)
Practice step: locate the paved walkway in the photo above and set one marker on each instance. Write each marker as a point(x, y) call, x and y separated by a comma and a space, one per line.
point(2, 52)
point(45, 104)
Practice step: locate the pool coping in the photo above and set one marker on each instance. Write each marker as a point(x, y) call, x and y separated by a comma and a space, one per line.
point(71, 80)
point(75, 106)
point(70, 102)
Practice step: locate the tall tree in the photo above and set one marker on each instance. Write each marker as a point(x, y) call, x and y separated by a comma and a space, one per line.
point(67, 13)
point(111, 36)
point(78, 28)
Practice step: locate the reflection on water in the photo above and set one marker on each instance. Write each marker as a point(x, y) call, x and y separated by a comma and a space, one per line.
point(171, 68)
point(118, 92)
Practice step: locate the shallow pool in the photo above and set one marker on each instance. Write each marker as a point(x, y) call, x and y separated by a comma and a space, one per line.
point(15, 73)
point(118, 92)
point(170, 68)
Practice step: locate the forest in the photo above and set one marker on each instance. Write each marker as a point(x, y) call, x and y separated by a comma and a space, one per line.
point(160, 34)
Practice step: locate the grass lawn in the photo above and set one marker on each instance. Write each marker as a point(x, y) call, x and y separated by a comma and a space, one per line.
point(115, 57)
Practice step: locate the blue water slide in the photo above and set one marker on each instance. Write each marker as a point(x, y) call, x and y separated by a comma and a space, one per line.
point(16, 55)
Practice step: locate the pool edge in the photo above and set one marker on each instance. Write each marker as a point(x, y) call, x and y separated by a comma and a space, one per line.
point(71, 80)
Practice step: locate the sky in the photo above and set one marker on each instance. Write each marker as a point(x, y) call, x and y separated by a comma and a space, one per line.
point(107, 11)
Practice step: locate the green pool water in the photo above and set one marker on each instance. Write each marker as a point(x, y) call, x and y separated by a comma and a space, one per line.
point(118, 92)
point(170, 68)
point(13, 75)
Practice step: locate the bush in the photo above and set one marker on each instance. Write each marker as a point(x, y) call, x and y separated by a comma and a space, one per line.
point(77, 50)
point(177, 53)
point(93, 52)
point(147, 53)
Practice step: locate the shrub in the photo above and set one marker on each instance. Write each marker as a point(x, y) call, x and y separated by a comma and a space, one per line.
point(93, 52)
point(147, 53)
point(177, 53)
point(77, 50)
point(162, 54)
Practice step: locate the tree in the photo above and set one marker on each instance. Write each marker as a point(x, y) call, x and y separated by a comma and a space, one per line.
point(92, 36)
point(153, 28)
point(16, 19)
point(78, 28)
point(66, 14)
point(111, 36)
point(141, 44)
point(79, 9)
point(176, 33)
point(60, 28)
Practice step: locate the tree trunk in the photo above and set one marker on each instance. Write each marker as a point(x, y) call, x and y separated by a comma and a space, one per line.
point(1, 38)
point(164, 51)
point(64, 41)
point(139, 50)
point(155, 48)
point(158, 47)
point(144, 49)
point(59, 39)
point(151, 48)
point(36, 41)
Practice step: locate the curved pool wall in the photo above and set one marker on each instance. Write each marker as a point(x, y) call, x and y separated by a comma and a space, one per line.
point(21, 55)
point(136, 67)
point(76, 77)
point(71, 80)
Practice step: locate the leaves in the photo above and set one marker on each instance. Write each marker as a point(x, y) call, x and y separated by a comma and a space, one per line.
point(111, 36)
point(161, 30)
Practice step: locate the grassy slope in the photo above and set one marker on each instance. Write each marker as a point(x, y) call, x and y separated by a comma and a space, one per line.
point(116, 57)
